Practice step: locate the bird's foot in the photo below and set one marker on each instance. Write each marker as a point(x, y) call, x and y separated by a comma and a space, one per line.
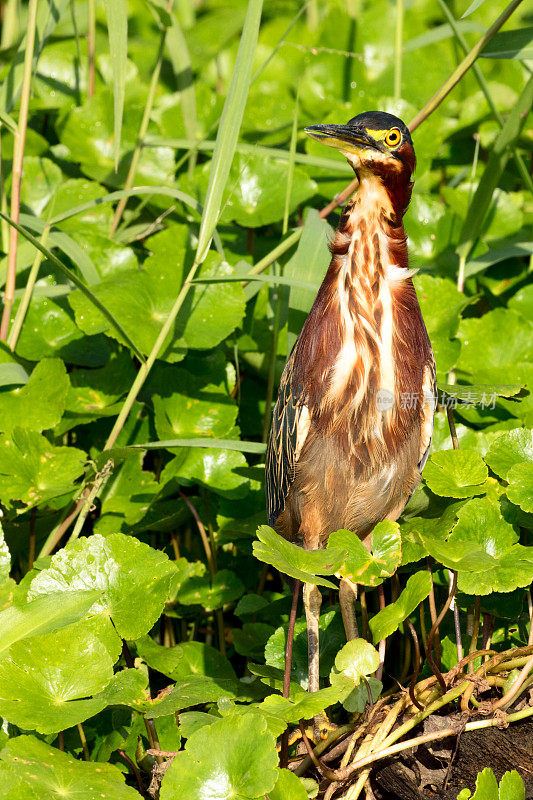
point(321, 728)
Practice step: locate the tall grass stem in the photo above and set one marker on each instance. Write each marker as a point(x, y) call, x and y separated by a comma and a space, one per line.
point(18, 159)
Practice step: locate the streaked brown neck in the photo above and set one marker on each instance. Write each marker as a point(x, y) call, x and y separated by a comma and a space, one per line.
point(364, 319)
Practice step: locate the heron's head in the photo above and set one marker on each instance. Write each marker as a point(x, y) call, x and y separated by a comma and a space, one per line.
point(372, 142)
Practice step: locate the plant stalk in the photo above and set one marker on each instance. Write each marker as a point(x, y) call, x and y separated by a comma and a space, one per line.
point(18, 158)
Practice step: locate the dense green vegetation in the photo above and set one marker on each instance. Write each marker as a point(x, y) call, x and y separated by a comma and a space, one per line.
point(167, 249)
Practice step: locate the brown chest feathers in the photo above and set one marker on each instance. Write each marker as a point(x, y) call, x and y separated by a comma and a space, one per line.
point(362, 365)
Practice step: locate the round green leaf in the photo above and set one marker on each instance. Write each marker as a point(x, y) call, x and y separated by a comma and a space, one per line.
point(250, 641)
point(41, 402)
point(369, 569)
point(238, 759)
point(54, 775)
point(200, 409)
point(357, 658)
point(45, 680)
point(288, 787)
point(124, 569)
point(219, 470)
point(415, 530)
point(307, 565)
point(331, 638)
point(456, 473)
point(520, 489)
point(510, 448)
point(49, 331)
point(40, 180)
point(253, 197)
point(481, 529)
point(34, 471)
point(484, 348)
point(88, 132)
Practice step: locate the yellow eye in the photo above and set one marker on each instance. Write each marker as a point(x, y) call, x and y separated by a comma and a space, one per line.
point(393, 137)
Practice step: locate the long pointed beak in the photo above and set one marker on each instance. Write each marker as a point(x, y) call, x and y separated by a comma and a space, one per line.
point(348, 138)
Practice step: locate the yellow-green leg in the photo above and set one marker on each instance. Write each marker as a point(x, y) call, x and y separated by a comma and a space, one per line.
point(347, 598)
point(312, 603)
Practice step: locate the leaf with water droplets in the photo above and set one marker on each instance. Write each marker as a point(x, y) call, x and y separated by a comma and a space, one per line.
point(123, 568)
point(40, 771)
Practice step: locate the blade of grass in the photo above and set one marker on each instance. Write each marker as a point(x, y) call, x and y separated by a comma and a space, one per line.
point(276, 279)
point(91, 46)
point(514, 250)
point(439, 34)
point(494, 168)
point(156, 70)
point(398, 52)
point(178, 53)
point(472, 7)
point(134, 192)
point(117, 28)
point(8, 121)
point(66, 244)
point(16, 328)
point(259, 71)
point(18, 158)
point(255, 149)
point(290, 171)
point(230, 123)
point(64, 270)
point(10, 24)
point(511, 44)
point(463, 67)
point(220, 444)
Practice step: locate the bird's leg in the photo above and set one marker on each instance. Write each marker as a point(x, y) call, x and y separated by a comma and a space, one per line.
point(312, 603)
point(347, 598)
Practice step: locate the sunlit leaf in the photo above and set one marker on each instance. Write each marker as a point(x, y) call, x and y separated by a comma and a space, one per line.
point(44, 614)
point(308, 566)
point(482, 528)
point(288, 787)
point(33, 471)
point(237, 760)
point(510, 448)
point(38, 768)
point(121, 567)
point(520, 489)
point(362, 566)
point(46, 681)
point(41, 402)
point(456, 473)
point(510, 44)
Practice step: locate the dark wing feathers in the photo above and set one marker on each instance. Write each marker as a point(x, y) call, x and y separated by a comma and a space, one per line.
point(281, 451)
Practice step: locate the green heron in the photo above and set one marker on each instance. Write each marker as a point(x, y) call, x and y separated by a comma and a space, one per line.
point(352, 425)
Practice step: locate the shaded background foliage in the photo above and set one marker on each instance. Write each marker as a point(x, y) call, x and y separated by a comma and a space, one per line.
point(131, 513)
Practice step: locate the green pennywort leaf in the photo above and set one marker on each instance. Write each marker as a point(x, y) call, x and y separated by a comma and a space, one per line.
point(308, 566)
